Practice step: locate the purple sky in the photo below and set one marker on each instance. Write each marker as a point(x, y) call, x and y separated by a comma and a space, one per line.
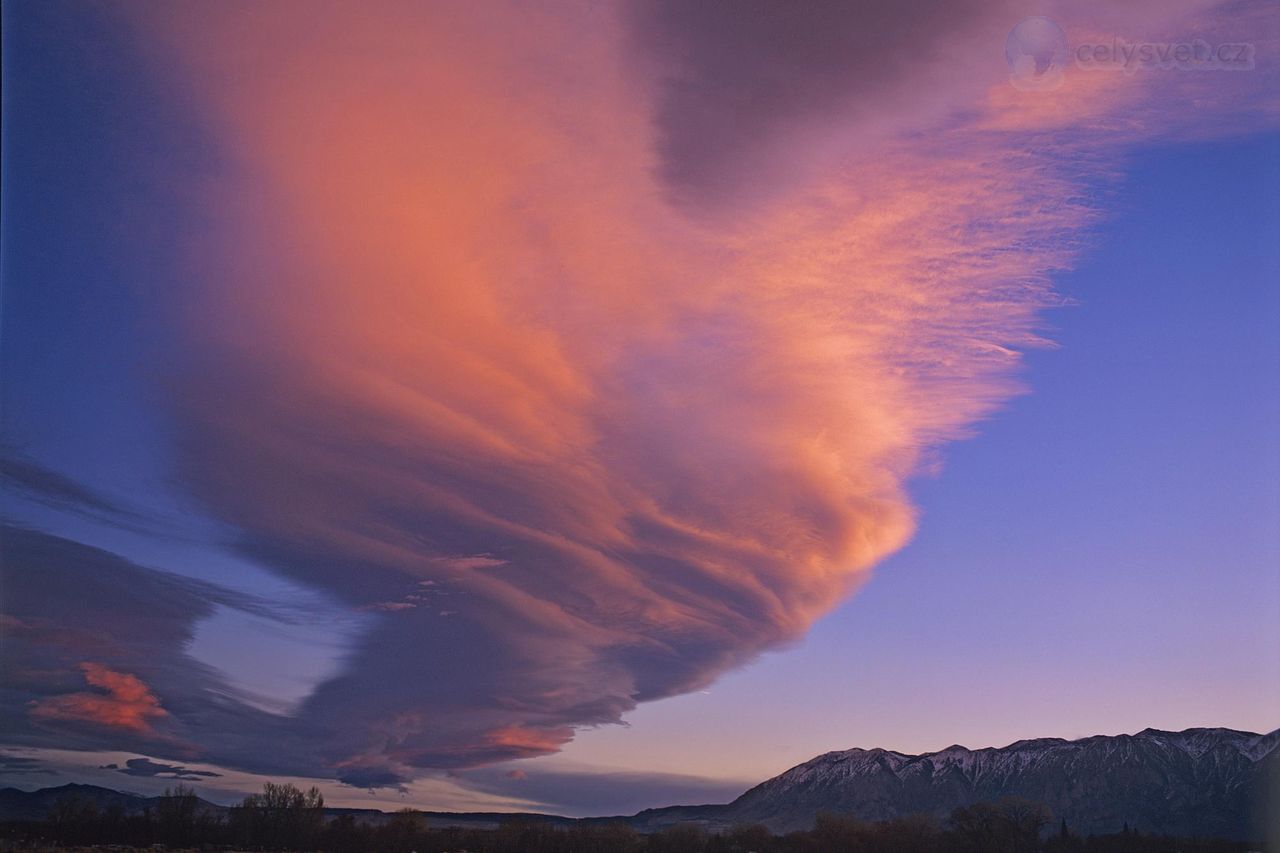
point(401, 400)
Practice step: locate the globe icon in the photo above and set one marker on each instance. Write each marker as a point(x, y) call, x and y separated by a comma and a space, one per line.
point(1036, 51)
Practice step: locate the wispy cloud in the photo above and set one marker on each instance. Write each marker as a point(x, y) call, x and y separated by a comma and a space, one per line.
point(30, 479)
point(12, 764)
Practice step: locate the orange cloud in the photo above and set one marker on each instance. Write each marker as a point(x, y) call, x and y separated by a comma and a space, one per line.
point(449, 305)
point(127, 703)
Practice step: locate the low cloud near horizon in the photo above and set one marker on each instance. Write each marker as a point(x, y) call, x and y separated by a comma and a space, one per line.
point(578, 365)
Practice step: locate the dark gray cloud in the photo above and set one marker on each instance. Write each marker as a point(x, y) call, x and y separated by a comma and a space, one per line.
point(66, 603)
point(147, 768)
point(738, 78)
point(95, 659)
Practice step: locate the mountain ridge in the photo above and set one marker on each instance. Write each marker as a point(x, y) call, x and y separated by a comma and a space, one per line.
point(1205, 781)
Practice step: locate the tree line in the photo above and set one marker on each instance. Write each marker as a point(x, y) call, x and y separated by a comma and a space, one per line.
point(283, 817)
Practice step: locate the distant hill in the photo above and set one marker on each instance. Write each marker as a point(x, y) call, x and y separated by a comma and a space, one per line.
point(1206, 782)
point(16, 804)
point(1199, 782)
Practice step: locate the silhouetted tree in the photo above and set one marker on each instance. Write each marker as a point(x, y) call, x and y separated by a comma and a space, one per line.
point(607, 838)
point(748, 839)
point(682, 838)
point(403, 832)
point(176, 815)
point(1012, 825)
point(282, 816)
point(344, 835)
point(73, 819)
point(838, 833)
point(911, 834)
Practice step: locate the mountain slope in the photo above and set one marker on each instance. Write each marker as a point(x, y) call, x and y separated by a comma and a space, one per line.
point(16, 804)
point(1197, 782)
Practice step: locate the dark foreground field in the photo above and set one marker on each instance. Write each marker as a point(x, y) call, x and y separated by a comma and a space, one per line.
point(1010, 826)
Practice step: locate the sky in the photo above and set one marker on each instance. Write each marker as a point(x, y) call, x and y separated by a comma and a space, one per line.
point(595, 406)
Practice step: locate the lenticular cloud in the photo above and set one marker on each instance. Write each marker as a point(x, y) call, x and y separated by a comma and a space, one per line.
point(578, 422)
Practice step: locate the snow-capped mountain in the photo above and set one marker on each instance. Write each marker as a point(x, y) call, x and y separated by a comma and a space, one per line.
point(1197, 782)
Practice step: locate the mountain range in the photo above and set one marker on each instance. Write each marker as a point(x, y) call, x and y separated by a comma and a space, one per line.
point(1207, 782)
point(1217, 782)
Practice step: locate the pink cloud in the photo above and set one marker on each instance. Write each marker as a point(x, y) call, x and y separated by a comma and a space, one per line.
point(460, 325)
point(125, 703)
